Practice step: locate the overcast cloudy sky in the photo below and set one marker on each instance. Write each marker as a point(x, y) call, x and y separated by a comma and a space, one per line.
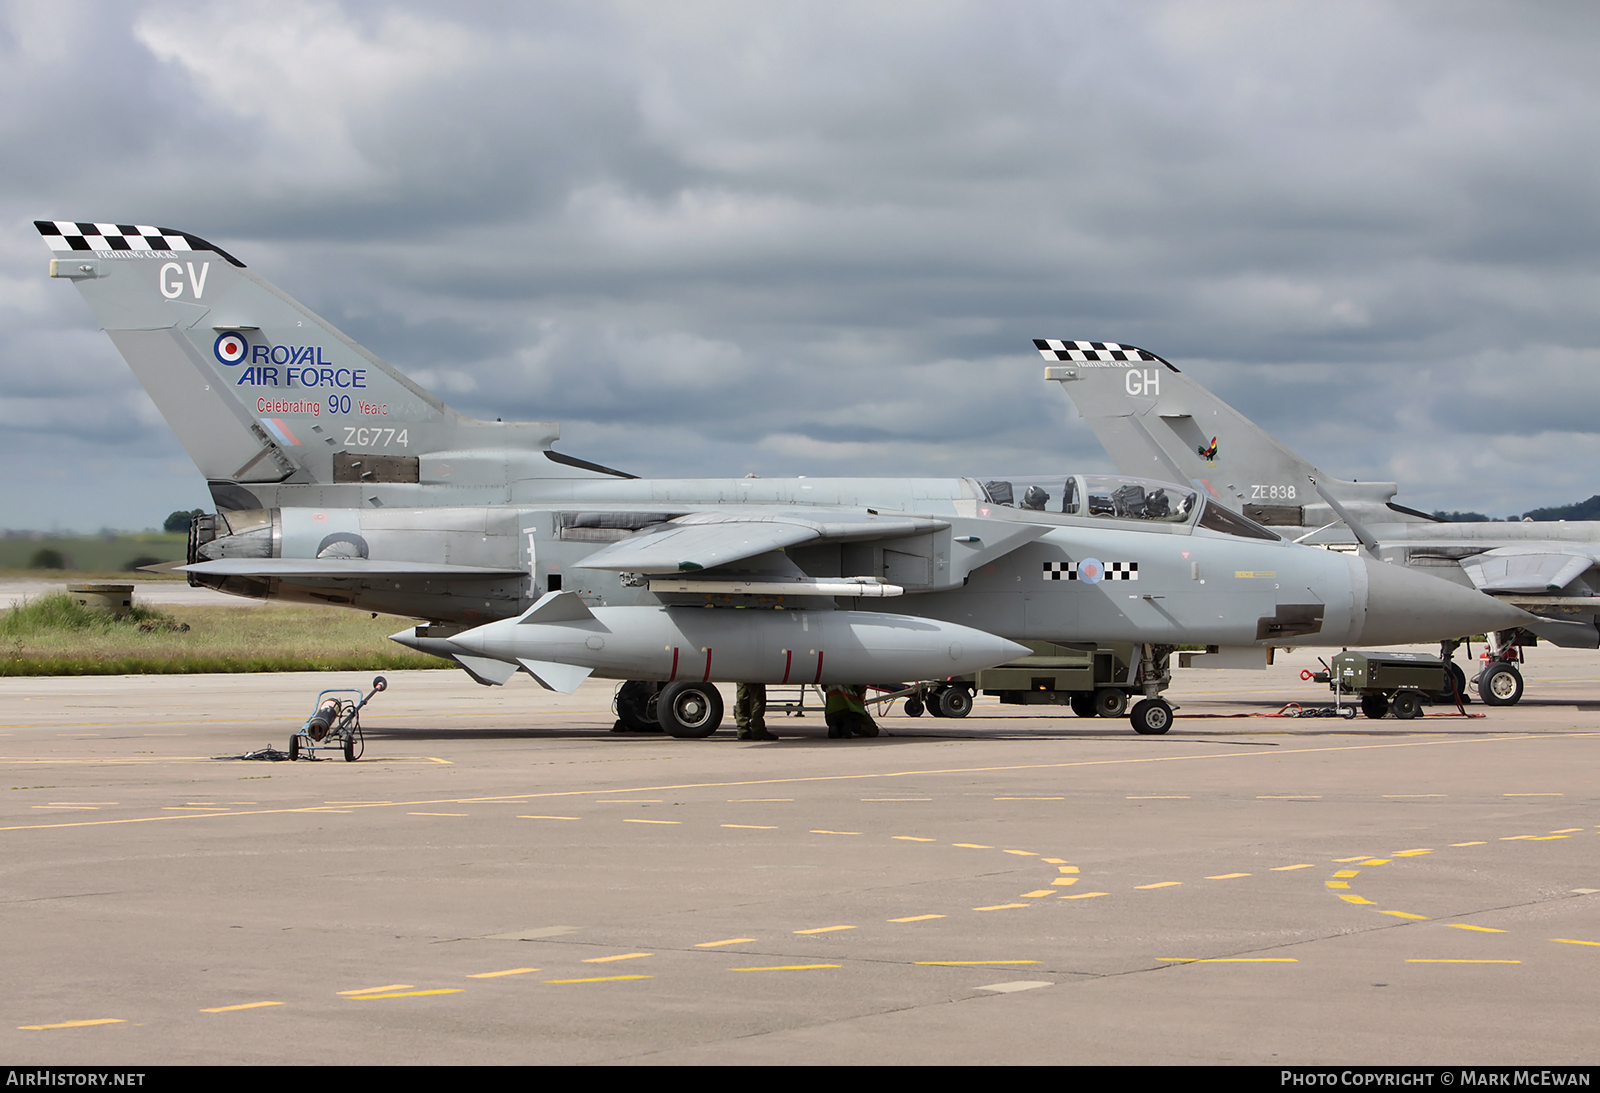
point(817, 238)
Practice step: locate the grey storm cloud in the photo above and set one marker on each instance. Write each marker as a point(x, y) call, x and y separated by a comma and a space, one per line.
point(718, 238)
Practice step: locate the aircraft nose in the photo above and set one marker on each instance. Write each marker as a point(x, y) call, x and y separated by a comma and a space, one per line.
point(1404, 606)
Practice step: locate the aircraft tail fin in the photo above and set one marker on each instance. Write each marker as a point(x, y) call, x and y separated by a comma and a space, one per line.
point(1156, 422)
point(266, 394)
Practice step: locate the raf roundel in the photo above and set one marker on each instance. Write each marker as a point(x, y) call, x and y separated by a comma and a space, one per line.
point(230, 347)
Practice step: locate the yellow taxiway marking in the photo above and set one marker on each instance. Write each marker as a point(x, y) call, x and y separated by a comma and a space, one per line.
point(1479, 929)
point(97, 804)
point(1054, 861)
point(1480, 842)
point(754, 827)
point(1348, 873)
point(1286, 868)
point(965, 963)
point(1573, 941)
point(619, 956)
point(1158, 884)
point(1337, 883)
point(1565, 830)
point(1228, 876)
point(549, 817)
point(916, 918)
point(1533, 795)
point(637, 821)
point(1041, 892)
point(601, 979)
point(1064, 881)
point(1411, 853)
point(820, 831)
point(1030, 798)
point(75, 1024)
point(1291, 797)
point(418, 813)
point(787, 968)
point(1415, 960)
point(1160, 798)
point(631, 801)
point(897, 798)
point(973, 846)
point(1376, 861)
point(913, 838)
point(1354, 898)
point(1403, 914)
point(1066, 868)
point(1200, 757)
point(404, 994)
point(497, 975)
point(1358, 857)
point(244, 1006)
point(1230, 959)
point(753, 800)
point(184, 808)
point(725, 941)
point(824, 929)
point(373, 990)
point(1024, 853)
point(1002, 907)
point(1085, 895)
point(1416, 794)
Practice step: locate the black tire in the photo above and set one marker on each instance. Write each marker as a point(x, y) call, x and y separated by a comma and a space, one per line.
point(955, 702)
point(1151, 717)
point(350, 749)
point(690, 711)
point(1406, 705)
point(294, 747)
point(913, 706)
point(1500, 685)
point(633, 706)
point(1374, 706)
point(933, 699)
point(1082, 704)
point(1110, 702)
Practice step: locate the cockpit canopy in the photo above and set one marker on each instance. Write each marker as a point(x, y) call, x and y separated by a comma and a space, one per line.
point(1095, 495)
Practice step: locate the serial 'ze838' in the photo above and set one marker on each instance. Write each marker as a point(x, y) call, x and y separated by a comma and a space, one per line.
point(339, 481)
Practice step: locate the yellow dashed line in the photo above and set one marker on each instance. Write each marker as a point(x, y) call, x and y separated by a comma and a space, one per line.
point(1403, 914)
point(1085, 895)
point(497, 975)
point(816, 831)
point(1411, 853)
point(1358, 857)
point(913, 838)
point(1416, 961)
point(549, 817)
point(373, 990)
point(243, 1006)
point(1002, 907)
point(786, 968)
point(404, 994)
point(1228, 876)
point(620, 956)
point(601, 979)
point(824, 929)
point(1062, 882)
point(1479, 929)
point(75, 1024)
point(1041, 892)
point(1230, 959)
point(1480, 842)
point(1354, 898)
point(1337, 883)
point(916, 918)
point(1376, 861)
point(1573, 941)
point(1286, 868)
point(728, 941)
point(631, 820)
point(973, 846)
point(965, 963)
point(754, 827)
point(1158, 884)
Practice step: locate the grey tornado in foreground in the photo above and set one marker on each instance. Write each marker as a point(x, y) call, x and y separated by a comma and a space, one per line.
point(339, 481)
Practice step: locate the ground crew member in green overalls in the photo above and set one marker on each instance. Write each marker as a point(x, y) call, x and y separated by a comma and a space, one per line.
point(750, 712)
point(846, 711)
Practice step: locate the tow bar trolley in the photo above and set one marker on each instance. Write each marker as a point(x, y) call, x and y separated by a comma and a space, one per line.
point(335, 723)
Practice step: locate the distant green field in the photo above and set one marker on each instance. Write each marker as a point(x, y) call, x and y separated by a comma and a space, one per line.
point(93, 553)
point(51, 635)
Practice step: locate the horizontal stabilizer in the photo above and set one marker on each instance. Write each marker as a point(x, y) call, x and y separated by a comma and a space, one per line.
point(1518, 569)
point(706, 540)
point(335, 568)
point(565, 678)
point(487, 671)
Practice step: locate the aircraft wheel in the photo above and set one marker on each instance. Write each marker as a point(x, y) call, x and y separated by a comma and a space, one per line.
point(1406, 705)
point(1110, 702)
point(1082, 704)
point(934, 700)
point(1500, 685)
point(955, 702)
point(1151, 717)
point(633, 706)
point(294, 747)
point(690, 711)
point(1374, 706)
point(349, 749)
point(913, 706)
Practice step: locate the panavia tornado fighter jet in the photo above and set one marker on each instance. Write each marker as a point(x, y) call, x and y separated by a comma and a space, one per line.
point(1154, 420)
point(338, 481)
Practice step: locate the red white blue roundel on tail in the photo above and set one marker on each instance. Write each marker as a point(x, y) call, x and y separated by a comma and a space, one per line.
point(230, 347)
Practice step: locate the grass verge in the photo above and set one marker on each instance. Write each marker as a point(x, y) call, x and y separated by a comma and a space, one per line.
point(52, 635)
